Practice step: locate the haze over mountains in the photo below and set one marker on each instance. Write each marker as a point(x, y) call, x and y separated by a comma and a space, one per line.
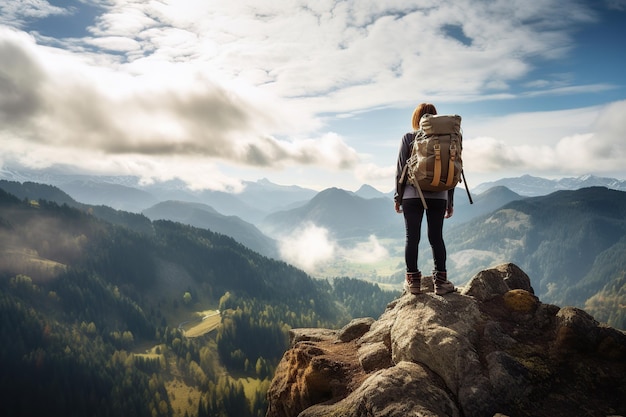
point(259, 198)
point(128, 193)
point(277, 209)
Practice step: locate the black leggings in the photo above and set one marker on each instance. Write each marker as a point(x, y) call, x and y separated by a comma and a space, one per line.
point(413, 213)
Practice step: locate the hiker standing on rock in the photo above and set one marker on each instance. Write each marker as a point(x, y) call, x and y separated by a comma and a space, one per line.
point(439, 205)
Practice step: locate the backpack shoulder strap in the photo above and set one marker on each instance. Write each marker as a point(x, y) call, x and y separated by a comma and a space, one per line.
point(417, 135)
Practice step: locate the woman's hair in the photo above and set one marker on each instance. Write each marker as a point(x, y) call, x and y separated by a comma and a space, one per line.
point(420, 110)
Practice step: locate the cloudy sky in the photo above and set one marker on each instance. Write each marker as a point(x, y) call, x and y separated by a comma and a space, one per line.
point(314, 93)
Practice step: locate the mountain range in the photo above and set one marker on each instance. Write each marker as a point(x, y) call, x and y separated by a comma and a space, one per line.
point(130, 193)
point(257, 199)
point(205, 217)
point(530, 186)
point(344, 214)
point(564, 230)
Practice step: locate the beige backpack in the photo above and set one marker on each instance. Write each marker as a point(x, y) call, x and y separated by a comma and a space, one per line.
point(436, 162)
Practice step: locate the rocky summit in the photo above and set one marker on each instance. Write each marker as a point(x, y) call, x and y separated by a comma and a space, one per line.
point(490, 349)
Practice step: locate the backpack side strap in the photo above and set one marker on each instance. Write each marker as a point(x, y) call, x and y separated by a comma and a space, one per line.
point(437, 166)
point(451, 164)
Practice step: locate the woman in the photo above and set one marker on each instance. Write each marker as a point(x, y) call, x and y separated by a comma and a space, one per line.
point(439, 206)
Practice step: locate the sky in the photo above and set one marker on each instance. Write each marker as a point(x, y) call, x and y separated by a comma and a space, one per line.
point(310, 93)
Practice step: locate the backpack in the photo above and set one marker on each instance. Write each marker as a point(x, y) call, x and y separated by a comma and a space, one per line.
point(435, 163)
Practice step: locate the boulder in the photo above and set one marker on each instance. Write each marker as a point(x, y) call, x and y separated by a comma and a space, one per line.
point(491, 349)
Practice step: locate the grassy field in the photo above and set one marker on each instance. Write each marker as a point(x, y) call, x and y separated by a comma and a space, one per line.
point(29, 262)
point(209, 321)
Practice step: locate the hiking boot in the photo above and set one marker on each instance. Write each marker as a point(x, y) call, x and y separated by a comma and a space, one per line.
point(442, 285)
point(413, 282)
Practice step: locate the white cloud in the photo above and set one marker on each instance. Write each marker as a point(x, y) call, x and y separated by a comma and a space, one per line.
point(343, 56)
point(380, 177)
point(248, 83)
point(51, 99)
point(551, 143)
point(17, 13)
point(368, 252)
point(307, 247)
point(310, 247)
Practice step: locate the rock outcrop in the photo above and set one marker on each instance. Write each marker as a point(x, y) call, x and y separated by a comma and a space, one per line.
point(491, 349)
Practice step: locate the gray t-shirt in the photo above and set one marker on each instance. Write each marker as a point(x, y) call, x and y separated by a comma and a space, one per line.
point(411, 192)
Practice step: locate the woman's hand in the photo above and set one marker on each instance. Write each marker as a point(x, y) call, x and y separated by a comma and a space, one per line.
point(398, 207)
point(449, 212)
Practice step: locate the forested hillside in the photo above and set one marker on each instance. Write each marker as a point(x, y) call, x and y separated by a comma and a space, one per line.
point(94, 315)
point(206, 217)
point(571, 243)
